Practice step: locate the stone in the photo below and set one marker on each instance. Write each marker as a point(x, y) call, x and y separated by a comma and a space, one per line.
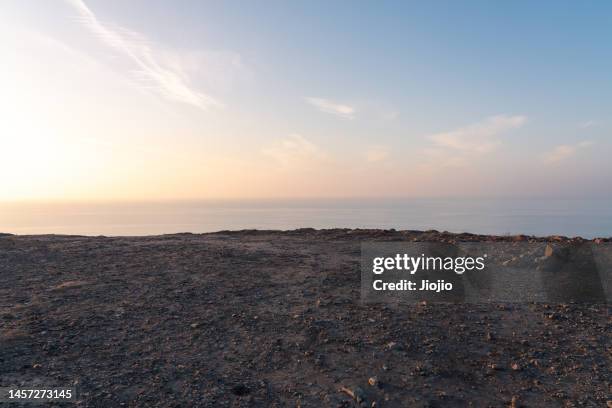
point(548, 251)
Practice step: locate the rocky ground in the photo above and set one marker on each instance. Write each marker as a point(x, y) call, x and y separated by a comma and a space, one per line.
point(274, 319)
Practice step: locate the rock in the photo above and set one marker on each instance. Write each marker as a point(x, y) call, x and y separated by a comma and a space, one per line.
point(548, 251)
point(240, 390)
point(390, 345)
point(69, 284)
point(357, 393)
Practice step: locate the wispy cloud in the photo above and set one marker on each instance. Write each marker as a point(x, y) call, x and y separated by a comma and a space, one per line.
point(150, 69)
point(294, 150)
point(479, 137)
point(457, 147)
point(331, 107)
point(588, 124)
point(376, 154)
point(565, 151)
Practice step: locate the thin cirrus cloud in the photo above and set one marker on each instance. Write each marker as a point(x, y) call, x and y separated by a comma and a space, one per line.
point(479, 137)
point(376, 154)
point(295, 150)
point(563, 152)
point(331, 107)
point(151, 70)
point(456, 148)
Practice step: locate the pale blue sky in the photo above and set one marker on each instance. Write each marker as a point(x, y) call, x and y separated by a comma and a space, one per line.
point(318, 98)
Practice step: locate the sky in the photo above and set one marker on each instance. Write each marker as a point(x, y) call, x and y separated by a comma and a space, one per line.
point(140, 100)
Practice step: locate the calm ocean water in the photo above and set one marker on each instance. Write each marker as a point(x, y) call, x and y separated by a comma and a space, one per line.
point(574, 217)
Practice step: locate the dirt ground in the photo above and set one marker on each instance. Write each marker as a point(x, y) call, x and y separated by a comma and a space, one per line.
point(274, 319)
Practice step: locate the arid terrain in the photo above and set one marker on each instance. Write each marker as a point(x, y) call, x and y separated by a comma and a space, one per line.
point(274, 319)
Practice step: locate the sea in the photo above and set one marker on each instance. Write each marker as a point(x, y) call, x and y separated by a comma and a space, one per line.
point(588, 218)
